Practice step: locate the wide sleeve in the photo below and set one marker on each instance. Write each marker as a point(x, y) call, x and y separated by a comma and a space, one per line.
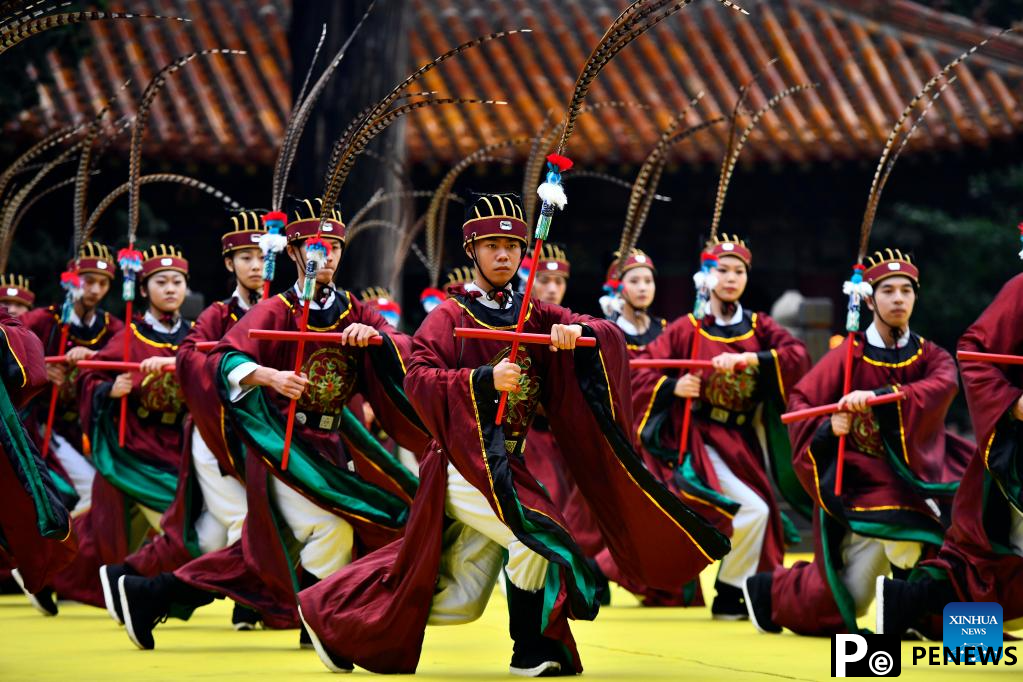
point(435, 386)
point(654, 538)
point(990, 393)
point(992, 390)
point(655, 405)
point(814, 445)
point(913, 429)
point(22, 364)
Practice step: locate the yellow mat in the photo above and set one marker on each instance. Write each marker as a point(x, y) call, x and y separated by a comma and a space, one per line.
point(626, 642)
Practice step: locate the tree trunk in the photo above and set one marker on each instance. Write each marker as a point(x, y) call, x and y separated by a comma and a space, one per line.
point(376, 61)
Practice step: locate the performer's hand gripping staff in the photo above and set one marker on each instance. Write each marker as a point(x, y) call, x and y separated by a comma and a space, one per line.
point(856, 289)
point(71, 283)
point(705, 281)
point(316, 252)
point(552, 194)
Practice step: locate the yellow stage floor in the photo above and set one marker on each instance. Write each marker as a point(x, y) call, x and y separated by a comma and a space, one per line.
point(626, 642)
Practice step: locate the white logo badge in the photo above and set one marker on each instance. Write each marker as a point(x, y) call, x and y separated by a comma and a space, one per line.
point(254, 238)
point(12, 291)
point(506, 225)
point(728, 247)
point(551, 265)
point(894, 266)
point(641, 258)
point(166, 261)
point(101, 264)
point(328, 228)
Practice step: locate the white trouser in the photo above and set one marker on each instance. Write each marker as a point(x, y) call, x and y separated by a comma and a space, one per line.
point(748, 525)
point(223, 498)
point(326, 538)
point(866, 558)
point(526, 569)
point(79, 470)
point(1016, 530)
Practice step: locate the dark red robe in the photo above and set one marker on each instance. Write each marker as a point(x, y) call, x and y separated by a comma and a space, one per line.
point(45, 322)
point(897, 456)
point(373, 496)
point(196, 371)
point(35, 527)
point(144, 471)
point(976, 555)
point(725, 418)
point(374, 611)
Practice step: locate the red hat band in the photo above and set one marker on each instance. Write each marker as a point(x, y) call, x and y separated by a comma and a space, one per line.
point(730, 248)
point(310, 227)
point(495, 226)
point(98, 266)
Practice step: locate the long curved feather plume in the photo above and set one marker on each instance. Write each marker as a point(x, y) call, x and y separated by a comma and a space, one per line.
point(636, 20)
point(732, 159)
point(24, 29)
point(141, 119)
point(80, 209)
point(883, 166)
point(381, 197)
point(13, 207)
point(303, 110)
point(371, 123)
point(651, 166)
point(176, 178)
point(610, 179)
point(39, 196)
point(436, 213)
point(537, 159)
point(54, 139)
point(373, 128)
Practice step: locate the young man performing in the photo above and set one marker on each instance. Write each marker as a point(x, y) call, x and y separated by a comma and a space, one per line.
point(755, 363)
point(898, 458)
point(16, 295)
point(341, 495)
point(479, 513)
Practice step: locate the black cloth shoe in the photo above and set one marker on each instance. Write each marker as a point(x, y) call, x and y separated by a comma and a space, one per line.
point(144, 603)
point(335, 664)
point(903, 605)
point(729, 603)
point(42, 600)
point(243, 618)
point(757, 595)
point(109, 575)
point(147, 601)
point(533, 655)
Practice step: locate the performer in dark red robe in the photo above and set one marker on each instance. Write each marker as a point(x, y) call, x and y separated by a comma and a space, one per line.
point(16, 294)
point(135, 484)
point(209, 504)
point(629, 293)
point(36, 539)
point(982, 556)
point(342, 495)
point(90, 330)
point(898, 460)
point(736, 429)
point(479, 508)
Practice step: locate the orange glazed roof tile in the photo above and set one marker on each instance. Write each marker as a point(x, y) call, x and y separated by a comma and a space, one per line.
point(868, 57)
